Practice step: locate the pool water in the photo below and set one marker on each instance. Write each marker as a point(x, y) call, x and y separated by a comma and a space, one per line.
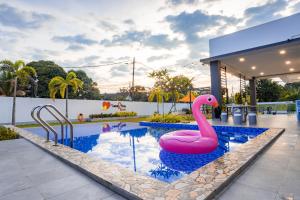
point(136, 147)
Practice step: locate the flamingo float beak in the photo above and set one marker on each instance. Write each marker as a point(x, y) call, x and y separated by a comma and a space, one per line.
point(215, 104)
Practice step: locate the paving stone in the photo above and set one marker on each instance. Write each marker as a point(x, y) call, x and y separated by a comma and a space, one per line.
point(240, 191)
point(8, 165)
point(88, 192)
point(26, 194)
point(10, 184)
point(60, 186)
point(114, 197)
point(38, 178)
point(291, 184)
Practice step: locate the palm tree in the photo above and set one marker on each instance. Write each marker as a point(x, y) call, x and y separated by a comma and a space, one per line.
point(6, 83)
point(61, 85)
point(13, 72)
point(159, 95)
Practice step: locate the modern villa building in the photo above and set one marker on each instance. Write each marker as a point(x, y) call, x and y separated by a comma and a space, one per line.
point(265, 51)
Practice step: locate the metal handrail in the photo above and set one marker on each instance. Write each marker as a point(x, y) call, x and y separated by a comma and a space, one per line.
point(65, 118)
point(39, 122)
point(61, 124)
point(47, 125)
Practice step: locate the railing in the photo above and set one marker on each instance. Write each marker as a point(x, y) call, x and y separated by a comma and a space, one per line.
point(55, 113)
point(39, 122)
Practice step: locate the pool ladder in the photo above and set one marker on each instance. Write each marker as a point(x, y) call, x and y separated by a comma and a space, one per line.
point(36, 115)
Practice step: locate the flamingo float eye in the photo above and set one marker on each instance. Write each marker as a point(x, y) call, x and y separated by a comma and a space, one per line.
point(209, 99)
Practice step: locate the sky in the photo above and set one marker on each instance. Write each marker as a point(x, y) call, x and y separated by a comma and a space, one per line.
point(171, 34)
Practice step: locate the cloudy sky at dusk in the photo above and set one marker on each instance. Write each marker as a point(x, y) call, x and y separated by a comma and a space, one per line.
point(158, 33)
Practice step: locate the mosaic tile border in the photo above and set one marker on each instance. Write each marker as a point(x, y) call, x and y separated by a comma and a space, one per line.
point(201, 184)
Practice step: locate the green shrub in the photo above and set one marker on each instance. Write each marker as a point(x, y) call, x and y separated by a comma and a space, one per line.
point(7, 134)
point(171, 118)
point(125, 114)
point(101, 115)
point(117, 114)
point(292, 107)
point(168, 118)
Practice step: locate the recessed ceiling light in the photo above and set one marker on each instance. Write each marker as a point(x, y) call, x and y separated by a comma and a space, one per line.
point(292, 69)
point(282, 52)
point(261, 73)
point(242, 59)
point(253, 67)
point(288, 62)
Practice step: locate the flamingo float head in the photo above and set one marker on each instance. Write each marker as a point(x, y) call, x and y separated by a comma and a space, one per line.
point(207, 99)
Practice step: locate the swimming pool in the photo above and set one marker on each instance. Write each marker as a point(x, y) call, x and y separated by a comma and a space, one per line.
point(136, 147)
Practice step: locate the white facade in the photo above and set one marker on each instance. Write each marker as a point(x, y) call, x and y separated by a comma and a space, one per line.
point(272, 32)
point(86, 107)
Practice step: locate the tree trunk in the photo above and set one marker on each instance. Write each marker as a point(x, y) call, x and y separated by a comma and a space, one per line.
point(163, 109)
point(13, 119)
point(157, 99)
point(67, 96)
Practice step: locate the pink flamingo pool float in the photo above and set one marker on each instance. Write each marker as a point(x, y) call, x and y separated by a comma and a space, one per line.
point(193, 142)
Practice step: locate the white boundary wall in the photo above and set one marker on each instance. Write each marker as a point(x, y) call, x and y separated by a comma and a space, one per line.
point(76, 106)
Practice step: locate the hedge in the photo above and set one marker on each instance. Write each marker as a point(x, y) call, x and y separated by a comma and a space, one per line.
point(171, 118)
point(117, 114)
point(7, 134)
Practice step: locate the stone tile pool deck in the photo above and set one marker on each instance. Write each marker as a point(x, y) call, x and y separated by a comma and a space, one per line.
point(29, 173)
point(247, 187)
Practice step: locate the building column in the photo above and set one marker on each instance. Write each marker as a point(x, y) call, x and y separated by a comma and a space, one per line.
point(252, 83)
point(216, 89)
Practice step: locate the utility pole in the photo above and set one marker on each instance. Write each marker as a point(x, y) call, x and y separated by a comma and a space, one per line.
point(133, 68)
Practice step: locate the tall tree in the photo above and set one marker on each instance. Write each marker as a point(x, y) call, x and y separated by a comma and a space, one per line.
point(175, 86)
point(159, 96)
point(268, 90)
point(89, 88)
point(46, 70)
point(60, 85)
point(291, 92)
point(6, 83)
point(17, 71)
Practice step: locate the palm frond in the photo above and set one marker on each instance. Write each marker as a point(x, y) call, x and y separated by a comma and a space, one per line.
point(6, 65)
point(29, 70)
point(151, 96)
point(76, 84)
point(71, 75)
point(18, 65)
point(53, 92)
point(62, 90)
point(54, 86)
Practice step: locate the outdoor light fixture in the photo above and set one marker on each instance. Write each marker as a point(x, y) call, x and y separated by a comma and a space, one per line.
point(292, 69)
point(261, 73)
point(288, 62)
point(282, 52)
point(242, 59)
point(253, 67)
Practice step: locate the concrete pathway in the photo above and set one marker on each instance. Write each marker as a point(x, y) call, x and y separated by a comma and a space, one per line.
point(29, 173)
point(275, 174)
